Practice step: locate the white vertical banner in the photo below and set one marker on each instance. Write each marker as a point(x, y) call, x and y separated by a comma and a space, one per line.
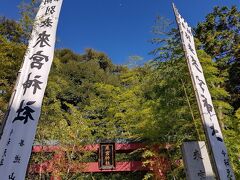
point(208, 114)
point(21, 123)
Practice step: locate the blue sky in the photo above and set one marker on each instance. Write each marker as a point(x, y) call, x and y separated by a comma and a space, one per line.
point(120, 28)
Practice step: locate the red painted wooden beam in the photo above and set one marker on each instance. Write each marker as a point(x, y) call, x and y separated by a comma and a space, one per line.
point(120, 167)
point(89, 167)
point(93, 147)
point(128, 147)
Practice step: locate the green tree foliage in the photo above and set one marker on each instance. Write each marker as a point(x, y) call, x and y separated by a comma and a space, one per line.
point(28, 11)
point(219, 34)
point(71, 88)
point(220, 38)
point(11, 30)
point(11, 55)
point(168, 87)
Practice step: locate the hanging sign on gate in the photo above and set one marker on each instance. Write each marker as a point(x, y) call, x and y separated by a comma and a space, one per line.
point(107, 156)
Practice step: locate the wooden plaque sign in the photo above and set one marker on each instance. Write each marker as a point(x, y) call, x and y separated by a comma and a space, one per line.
point(107, 156)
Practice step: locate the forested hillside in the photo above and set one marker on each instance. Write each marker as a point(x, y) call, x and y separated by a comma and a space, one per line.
point(90, 100)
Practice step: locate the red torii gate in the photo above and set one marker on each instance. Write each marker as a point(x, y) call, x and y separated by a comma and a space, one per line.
point(49, 166)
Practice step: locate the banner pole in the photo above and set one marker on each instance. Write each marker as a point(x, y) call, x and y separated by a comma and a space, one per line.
point(218, 151)
point(20, 123)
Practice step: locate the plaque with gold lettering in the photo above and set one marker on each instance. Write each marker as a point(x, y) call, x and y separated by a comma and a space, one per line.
point(107, 156)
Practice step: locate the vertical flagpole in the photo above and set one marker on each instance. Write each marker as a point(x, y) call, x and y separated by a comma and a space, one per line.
point(21, 119)
point(210, 123)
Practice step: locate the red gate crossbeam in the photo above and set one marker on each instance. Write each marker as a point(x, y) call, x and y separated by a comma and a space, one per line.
point(93, 147)
point(47, 167)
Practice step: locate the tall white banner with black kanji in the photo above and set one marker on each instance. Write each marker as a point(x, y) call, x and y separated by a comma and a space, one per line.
point(208, 115)
point(20, 125)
